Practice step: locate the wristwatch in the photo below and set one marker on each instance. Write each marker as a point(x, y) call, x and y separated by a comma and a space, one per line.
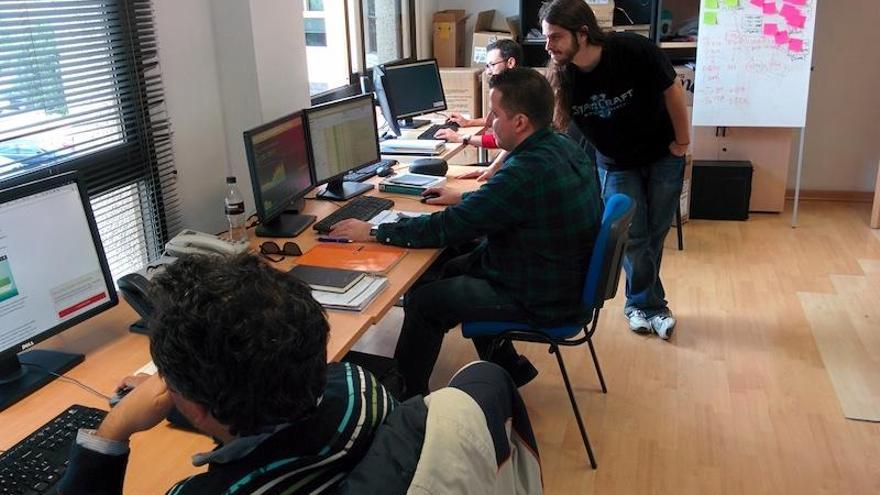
point(374, 231)
point(466, 139)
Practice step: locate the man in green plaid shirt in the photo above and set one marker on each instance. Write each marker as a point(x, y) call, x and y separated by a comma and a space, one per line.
point(539, 216)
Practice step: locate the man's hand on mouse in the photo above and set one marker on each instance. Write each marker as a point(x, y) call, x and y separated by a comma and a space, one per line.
point(441, 196)
point(143, 408)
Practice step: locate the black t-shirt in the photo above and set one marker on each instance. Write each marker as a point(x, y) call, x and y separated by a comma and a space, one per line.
point(619, 105)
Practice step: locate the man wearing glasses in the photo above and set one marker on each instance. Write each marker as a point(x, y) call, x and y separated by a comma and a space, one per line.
point(500, 56)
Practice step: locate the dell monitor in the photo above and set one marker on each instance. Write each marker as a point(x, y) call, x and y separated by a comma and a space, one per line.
point(53, 275)
point(407, 90)
point(281, 174)
point(342, 137)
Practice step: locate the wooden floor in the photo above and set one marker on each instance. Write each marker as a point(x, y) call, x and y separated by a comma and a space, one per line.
point(739, 402)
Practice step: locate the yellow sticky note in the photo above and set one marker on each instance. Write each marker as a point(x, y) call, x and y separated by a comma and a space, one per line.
point(731, 3)
point(711, 4)
point(710, 18)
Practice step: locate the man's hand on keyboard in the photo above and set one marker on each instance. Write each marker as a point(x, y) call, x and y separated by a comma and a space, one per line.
point(143, 408)
point(460, 120)
point(448, 135)
point(353, 230)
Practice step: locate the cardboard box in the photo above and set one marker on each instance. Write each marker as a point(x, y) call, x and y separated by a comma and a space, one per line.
point(462, 89)
point(604, 11)
point(485, 33)
point(685, 74)
point(449, 26)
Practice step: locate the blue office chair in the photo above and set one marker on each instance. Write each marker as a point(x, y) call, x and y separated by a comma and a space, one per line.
point(603, 275)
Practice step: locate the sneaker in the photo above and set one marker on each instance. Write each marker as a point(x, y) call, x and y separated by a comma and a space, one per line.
point(638, 321)
point(663, 325)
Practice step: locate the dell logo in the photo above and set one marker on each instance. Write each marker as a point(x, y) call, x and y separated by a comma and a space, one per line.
point(27, 345)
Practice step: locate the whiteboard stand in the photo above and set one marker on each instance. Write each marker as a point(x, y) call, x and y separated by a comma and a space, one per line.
point(797, 180)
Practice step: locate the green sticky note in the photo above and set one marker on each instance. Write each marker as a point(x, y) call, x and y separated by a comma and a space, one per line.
point(710, 18)
point(711, 4)
point(731, 3)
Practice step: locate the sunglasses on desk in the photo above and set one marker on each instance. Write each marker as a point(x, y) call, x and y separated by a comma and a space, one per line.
point(269, 248)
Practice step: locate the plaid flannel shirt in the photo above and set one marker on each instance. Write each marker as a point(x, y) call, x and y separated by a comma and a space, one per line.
point(539, 214)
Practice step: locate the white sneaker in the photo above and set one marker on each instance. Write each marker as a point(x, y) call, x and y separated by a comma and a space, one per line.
point(663, 325)
point(638, 321)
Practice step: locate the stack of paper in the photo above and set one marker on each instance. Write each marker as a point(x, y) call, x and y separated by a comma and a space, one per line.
point(409, 183)
point(391, 216)
point(356, 298)
point(413, 146)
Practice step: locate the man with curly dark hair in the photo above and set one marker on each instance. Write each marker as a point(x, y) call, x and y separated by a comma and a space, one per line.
point(240, 350)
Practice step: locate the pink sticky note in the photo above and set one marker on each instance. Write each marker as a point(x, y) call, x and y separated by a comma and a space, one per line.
point(770, 29)
point(758, 3)
point(787, 11)
point(795, 45)
point(797, 2)
point(770, 8)
point(797, 21)
point(781, 37)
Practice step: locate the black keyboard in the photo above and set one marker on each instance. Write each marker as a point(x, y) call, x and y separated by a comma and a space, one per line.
point(430, 131)
point(360, 208)
point(365, 173)
point(35, 464)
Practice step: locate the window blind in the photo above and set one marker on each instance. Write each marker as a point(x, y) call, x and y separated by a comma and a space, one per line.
point(80, 89)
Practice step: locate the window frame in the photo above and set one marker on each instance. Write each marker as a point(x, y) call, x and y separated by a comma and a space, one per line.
point(358, 50)
point(92, 167)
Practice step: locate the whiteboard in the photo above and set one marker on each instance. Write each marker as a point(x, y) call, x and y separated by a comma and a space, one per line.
point(753, 63)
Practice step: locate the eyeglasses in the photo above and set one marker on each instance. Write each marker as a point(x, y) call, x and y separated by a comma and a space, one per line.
point(490, 65)
point(288, 249)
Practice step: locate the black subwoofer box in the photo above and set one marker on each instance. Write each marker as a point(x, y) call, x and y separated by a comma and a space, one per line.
point(721, 190)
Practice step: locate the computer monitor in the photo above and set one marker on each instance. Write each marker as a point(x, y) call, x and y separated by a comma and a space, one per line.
point(281, 174)
point(407, 90)
point(342, 137)
point(53, 275)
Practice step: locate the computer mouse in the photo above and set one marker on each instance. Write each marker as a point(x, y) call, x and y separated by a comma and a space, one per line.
point(428, 196)
point(385, 171)
point(120, 393)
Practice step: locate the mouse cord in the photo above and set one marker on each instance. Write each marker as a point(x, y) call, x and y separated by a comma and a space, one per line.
point(70, 380)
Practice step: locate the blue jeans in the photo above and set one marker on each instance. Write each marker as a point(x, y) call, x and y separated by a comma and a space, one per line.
point(655, 188)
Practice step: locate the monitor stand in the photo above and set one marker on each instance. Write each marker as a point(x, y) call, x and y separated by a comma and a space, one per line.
point(288, 224)
point(338, 190)
point(140, 327)
point(23, 374)
point(412, 123)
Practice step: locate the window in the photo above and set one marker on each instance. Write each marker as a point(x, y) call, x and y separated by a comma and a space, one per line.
point(316, 32)
point(383, 26)
point(80, 90)
point(345, 38)
point(327, 52)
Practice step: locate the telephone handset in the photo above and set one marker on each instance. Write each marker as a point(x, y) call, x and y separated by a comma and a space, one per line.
point(193, 242)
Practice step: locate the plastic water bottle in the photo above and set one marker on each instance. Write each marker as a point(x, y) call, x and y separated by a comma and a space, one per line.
point(235, 211)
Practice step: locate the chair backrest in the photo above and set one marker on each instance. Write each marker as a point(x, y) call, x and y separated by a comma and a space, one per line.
point(603, 273)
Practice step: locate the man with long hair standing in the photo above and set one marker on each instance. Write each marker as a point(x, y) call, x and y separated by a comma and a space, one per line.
point(620, 90)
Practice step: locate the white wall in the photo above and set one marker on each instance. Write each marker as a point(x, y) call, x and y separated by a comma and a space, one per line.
point(192, 94)
point(227, 66)
point(843, 117)
point(424, 29)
